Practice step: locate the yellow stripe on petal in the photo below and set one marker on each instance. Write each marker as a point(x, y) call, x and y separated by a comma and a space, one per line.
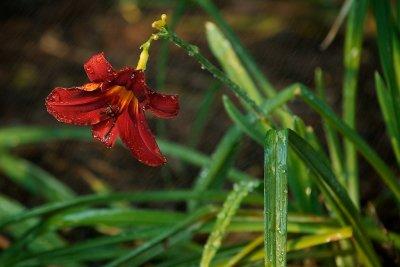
point(91, 86)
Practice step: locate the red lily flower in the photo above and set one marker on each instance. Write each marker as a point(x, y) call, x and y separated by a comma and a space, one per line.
point(113, 103)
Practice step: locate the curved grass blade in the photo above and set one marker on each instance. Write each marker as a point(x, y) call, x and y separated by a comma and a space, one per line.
point(34, 179)
point(250, 123)
point(309, 241)
point(332, 139)
point(221, 161)
point(352, 56)
point(138, 197)
point(224, 218)
point(386, 105)
point(113, 217)
point(275, 197)
point(387, 42)
point(246, 58)
point(231, 64)
point(203, 114)
point(388, 177)
point(249, 248)
point(247, 124)
point(337, 197)
point(9, 207)
point(87, 247)
point(13, 136)
point(195, 219)
point(344, 10)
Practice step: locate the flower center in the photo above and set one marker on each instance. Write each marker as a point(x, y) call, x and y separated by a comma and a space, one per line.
point(121, 97)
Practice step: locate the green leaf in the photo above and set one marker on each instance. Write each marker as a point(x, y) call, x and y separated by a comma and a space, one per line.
point(247, 59)
point(336, 195)
point(224, 218)
point(114, 217)
point(203, 113)
point(275, 197)
point(231, 64)
point(14, 136)
point(386, 105)
point(150, 196)
point(34, 179)
point(221, 162)
point(8, 208)
point(352, 55)
point(309, 241)
point(332, 139)
point(192, 221)
point(388, 177)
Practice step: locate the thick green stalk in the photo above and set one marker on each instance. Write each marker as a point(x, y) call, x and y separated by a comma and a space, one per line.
point(352, 55)
point(276, 197)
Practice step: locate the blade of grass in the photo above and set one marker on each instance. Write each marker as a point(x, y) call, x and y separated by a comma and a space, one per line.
point(150, 196)
point(188, 221)
point(34, 179)
point(221, 161)
point(344, 10)
point(247, 249)
point(388, 177)
point(87, 247)
point(231, 204)
point(203, 114)
point(248, 124)
point(275, 197)
point(13, 136)
point(249, 63)
point(385, 103)
point(113, 217)
point(300, 181)
point(386, 33)
point(9, 207)
point(309, 241)
point(336, 194)
point(225, 54)
point(332, 139)
point(352, 55)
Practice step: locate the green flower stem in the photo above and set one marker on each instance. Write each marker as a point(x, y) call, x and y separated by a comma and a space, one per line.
point(194, 52)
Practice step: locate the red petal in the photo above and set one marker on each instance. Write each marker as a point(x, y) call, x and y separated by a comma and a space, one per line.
point(106, 132)
point(164, 106)
point(98, 69)
point(79, 107)
point(136, 135)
